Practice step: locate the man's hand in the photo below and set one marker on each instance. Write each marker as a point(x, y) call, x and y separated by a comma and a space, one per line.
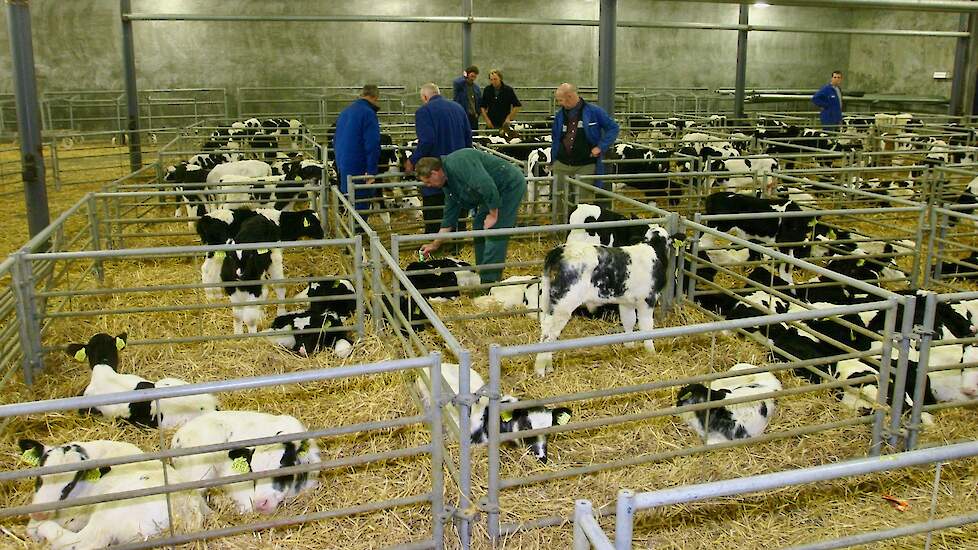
point(427, 249)
point(491, 218)
point(595, 151)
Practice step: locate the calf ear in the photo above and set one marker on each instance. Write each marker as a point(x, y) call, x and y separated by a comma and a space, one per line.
point(562, 415)
point(120, 341)
point(77, 351)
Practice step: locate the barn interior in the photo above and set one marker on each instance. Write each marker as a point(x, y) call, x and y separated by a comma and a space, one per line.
point(100, 99)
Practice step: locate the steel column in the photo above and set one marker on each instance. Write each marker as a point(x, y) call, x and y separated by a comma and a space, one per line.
point(28, 115)
point(132, 99)
point(741, 78)
point(606, 55)
point(467, 33)
point(960, 72)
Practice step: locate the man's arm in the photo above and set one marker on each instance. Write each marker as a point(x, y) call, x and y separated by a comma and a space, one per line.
point(425, 130)
point(371, 143)
point(821, 98)
point(609, 129)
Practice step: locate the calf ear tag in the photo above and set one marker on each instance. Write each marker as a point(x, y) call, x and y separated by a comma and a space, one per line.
point(120, 344)
point(686, 396)
point(263, 251)
point(30, 456)
point(563, 418)
point(240, 465)
point(219, 255)
point(506, 416)
point(92, 475)
point(303, 448)
point(305, 223)
point(80, 355)
point(297, 178)
point(861, 263)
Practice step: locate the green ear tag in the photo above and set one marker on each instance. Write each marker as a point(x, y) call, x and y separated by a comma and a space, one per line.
point(812, 221)
point(263, 251)
point(92, 475)
point(677, 244)
point(297, 178)
point(240, 465)
point(563, 418)
point(831, 234)
point(686, 396)
point(120, 344)
point(80, 355)
point(305, 223)
point(30, 456)
point(303, 449)
point(861, 263)
point(219, 255)
point(506, 416)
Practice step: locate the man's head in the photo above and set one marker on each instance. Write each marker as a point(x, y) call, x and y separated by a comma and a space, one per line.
point(566, 95)
point(471, 72)
point(371, 93)
point(430, 171)
point(496, 78)
point(836, 78)
point(429, 91)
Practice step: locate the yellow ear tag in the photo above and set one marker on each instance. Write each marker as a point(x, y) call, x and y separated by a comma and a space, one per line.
point(263, 251)
point(305, 223)
point(297, 178)
point(831, 234)
point(219, 255)
point(861, 263)
point(80, 355)
point(686, 396)
point(506, 416)
point(120, 344)
point(812, 221)
point(92, 475)
point(303, 449)
point(30, 456)
point(240, 465)
point(677, 244)
point(563, 418)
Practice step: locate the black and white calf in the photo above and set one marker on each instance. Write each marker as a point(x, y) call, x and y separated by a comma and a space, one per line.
point(511, 293)
point(321, 315)
point(188, 180)
point(106, 523)
point(770, 230)
point(610, 236)
point(729, 422)
point(444, 273)
point(577, 273)
point(516, 420)
point(101, 352)
point(254, 266)
point(261, 495)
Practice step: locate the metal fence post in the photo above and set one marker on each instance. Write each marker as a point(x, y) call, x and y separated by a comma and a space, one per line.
point(492, 505)
point(437, 444)
point(885, 356)
point(28, 326)
point(899, 381)
point(375, 283)
point(926, 335)
point(464, 401)
point(55, 167)
point(358, 281)
point(582, 509)
point(624, 519)
point(96, 237)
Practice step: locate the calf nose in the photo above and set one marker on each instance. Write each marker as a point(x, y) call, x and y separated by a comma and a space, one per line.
point(40, 516)
point(264, 505)
point(970, 391)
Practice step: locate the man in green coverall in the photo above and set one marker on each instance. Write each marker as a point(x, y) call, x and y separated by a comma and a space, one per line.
point(472, 179)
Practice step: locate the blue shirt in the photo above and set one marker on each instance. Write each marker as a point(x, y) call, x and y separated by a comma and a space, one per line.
point(831, 104)
point(442, 128)
point(461, 95)
point(357, 143)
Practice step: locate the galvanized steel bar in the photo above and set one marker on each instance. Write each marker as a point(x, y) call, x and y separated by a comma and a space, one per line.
point(608, 17)
point(910, 5)
point(132, 97)
point(467, 33)
point(28, 115)
point(741, 75)
point(434, 414)
point(587, 532)
point(896, 532)
point(494, 393)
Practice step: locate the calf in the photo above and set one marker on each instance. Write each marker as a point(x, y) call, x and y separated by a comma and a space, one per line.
point(516, 420)
point(730, 422)
point(188, 181)
point(768, 230)
point(577, 273)
point(338, 296)
point(261, 495)
point(310, 343)
point(111, 522)
point(101, 352)
point(609, 236)
point(439, 279)
point(253, 266)
point(218, 227)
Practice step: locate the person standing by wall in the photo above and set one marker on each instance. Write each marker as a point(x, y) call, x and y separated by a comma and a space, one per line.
point(829, 100)
point(442, 128)
point(499, 102)
point(582, 132)
point(468, 95)
point(490, 185)
point(357, 143)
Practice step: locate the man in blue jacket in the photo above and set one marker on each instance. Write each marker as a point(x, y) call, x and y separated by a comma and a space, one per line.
point(582, 132)
point(468, 95)
point(357, 143)
point(829, 101)
point(442, 128)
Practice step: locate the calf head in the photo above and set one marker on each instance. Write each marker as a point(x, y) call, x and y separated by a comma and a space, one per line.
point(245, 265)
point(534, 418)
point(101, 349)
point(269, 492)
point(57, 487)
point(309, 224)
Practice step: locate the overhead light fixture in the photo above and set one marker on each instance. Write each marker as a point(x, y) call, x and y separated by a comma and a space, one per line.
point(761, 5)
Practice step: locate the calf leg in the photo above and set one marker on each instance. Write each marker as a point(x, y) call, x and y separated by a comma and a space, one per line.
point(277, 272)
point(645, 323)
point(550, 328)
point(627, 313)
point(91, 537)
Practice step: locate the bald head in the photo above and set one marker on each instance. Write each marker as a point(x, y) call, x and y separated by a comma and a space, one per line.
point(428, 91)
point(566, 95)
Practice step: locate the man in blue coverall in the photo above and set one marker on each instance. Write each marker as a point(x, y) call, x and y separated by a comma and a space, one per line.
point(357, 143)
point(442, 128)
point(829, 101)
point(473, 179)
point(582, 132)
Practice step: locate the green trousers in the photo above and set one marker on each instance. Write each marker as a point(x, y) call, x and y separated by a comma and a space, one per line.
point(492, 250)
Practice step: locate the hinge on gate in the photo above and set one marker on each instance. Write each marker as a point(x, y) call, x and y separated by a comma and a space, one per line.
point(484, 506)
point(487, 393)
point(470, 514)
point(464, 399)
point(920, 332)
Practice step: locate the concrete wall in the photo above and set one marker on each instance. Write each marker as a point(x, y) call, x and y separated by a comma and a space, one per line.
point(77, 46)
